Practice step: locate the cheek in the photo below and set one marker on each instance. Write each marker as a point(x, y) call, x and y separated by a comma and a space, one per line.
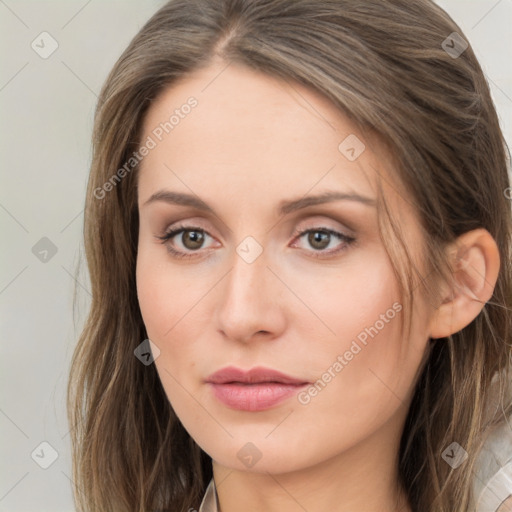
point(172, 303)
point(164, 295)
point(364, 364)
point(154, 298)
point(165, 299)
point(350, 299)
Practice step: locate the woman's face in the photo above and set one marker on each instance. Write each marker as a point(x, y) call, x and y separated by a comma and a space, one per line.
point(262, 273)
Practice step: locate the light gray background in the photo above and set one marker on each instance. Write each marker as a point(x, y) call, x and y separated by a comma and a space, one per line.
point(46, 110)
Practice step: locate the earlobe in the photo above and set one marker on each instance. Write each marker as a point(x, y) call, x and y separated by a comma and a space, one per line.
point(475, 264)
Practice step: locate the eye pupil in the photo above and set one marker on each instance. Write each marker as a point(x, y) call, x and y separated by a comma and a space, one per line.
point(319, 237)
point(194, 237)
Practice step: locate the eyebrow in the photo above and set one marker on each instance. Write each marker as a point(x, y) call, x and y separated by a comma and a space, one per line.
point(284, 207)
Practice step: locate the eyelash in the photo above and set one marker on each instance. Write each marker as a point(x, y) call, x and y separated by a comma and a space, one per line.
point(297, 234)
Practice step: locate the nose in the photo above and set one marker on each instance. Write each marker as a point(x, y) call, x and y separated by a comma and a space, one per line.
point(251, 303)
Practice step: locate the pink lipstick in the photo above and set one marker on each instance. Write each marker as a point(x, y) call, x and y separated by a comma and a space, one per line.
point(254, 390)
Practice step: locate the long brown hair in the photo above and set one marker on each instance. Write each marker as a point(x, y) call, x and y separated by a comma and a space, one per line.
point(385, 64)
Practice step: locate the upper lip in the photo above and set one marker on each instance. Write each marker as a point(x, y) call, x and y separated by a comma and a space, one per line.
point(255, 375)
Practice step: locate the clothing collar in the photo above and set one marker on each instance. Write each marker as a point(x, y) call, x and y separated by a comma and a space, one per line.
point(210, 501)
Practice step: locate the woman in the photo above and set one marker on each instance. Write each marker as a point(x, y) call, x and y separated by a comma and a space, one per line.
point(298, 237)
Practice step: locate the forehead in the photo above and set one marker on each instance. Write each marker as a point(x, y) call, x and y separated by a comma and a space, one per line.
point(232, 129)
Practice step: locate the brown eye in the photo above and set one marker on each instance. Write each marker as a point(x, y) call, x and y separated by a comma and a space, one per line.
point(188, 244)
point(192, 239)
point(319, 239)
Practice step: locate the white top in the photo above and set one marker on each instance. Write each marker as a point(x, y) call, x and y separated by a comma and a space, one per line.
point(493, 475)
point(210, 501)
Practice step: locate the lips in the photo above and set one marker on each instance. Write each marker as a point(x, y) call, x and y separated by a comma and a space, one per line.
point(254, 390)
point(253, 376)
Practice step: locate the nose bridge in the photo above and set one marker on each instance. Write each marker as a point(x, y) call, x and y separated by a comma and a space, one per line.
point(247, 305)
point(248, 275)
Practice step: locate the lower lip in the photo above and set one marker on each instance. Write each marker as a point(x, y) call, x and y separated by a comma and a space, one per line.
point(254, 397)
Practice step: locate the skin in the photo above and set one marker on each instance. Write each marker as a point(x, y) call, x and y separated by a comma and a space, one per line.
point(252, 142)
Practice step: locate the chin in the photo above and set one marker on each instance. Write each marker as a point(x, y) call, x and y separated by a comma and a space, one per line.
point(265, 456)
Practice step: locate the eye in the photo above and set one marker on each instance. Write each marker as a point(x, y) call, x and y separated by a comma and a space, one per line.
point(320, 238)
point(192, 239)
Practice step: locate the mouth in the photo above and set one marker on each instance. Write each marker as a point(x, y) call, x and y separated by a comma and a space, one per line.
point(255, 390)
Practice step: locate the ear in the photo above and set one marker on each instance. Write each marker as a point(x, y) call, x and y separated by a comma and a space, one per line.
point(475, 263)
